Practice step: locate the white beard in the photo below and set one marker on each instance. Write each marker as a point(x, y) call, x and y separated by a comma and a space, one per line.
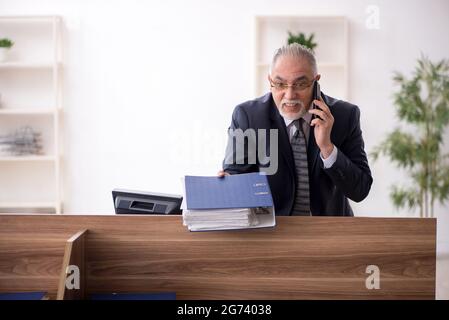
point(293, 116)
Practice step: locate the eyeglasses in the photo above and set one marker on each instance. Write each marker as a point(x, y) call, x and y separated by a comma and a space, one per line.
point(298, 86)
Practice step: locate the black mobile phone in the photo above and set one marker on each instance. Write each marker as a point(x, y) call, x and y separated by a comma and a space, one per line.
point(316, 95)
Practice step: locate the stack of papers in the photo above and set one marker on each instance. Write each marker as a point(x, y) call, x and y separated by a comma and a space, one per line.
point(231, 202)
point(197, 220)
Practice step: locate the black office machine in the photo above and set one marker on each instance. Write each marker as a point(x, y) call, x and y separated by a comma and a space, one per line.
point(140, 202)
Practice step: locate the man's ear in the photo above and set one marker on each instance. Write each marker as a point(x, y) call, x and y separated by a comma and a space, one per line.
point(318, 77)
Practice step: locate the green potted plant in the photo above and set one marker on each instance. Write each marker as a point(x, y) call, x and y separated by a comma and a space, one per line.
point(5, 46)
point(423, 104)
point(302, 39)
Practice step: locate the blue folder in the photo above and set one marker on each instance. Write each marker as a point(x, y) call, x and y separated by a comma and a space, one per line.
point(248, 190)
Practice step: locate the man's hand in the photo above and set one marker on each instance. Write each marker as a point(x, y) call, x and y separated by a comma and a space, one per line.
point(323, 127)
point(222, 173)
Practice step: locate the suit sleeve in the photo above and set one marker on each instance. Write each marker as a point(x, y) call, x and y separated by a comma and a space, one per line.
point(230, 163)
point(350, 172)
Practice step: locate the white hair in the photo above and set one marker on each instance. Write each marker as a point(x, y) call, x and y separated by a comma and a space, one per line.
point(295, 50)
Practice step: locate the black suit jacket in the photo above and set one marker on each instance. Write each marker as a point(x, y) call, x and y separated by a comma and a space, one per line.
point(349, 177)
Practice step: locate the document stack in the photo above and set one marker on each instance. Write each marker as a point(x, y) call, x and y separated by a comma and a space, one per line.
point(231, 202)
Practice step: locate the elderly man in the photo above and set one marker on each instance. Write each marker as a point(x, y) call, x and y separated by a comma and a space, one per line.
point(322, 161)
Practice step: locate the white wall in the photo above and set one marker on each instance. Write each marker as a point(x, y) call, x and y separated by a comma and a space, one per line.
point(150, 87)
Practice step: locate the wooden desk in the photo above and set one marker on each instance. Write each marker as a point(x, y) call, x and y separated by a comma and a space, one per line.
point(301, 258)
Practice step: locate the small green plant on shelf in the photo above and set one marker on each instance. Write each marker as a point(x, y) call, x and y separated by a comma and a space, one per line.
point(302, 39)
point(6, 43)
point(5, 46)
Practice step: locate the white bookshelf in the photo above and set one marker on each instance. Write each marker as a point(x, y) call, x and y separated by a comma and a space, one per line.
point(29, 205)
point(26, 65)
point(27, 158)
point(31, 95)
point(331, 34)
point(32, 111)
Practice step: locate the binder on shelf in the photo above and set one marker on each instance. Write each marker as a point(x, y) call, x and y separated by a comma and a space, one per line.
point(231, 202)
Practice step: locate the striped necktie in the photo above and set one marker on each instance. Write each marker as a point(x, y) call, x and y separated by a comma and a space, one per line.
point(301, 205)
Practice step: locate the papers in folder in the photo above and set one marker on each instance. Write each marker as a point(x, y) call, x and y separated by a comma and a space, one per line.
point(231, 202)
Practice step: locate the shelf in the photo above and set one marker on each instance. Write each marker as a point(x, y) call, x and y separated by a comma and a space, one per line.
point(27, 158)
point(320, 65)
point(19, 111)
point(32, 96)
point(27, 65)
point(27, 19)
point(25, 205)
point(304, 18)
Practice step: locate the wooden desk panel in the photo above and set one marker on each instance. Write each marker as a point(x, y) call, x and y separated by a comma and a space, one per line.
point(302, 258)
point(74, 255)
point(30, 263)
